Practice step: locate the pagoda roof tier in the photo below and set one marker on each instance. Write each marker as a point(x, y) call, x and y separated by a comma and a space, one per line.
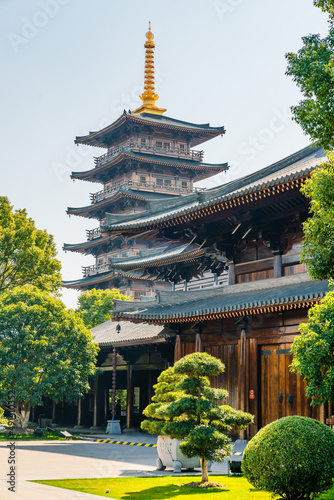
point(91, 246)
point(127, 122)
point(98, 210)
point(99, 278)
point(106, 334)
point(105, 170)
point(157, 257)
point(255, 297)
point(284, 175)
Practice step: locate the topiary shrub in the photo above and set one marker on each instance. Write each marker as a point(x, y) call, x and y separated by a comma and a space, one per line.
point(187, 408)
point(165, 392)
point(292, 457)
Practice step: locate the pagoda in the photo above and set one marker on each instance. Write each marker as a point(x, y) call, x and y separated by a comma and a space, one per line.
point(149, 158)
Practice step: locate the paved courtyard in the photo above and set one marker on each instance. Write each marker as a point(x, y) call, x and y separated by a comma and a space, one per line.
point(77, 459)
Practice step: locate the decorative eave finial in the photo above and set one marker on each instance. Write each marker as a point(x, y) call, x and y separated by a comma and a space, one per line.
point(149, 96)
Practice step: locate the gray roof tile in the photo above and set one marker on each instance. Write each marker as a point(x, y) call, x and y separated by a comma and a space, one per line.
point(243, 296)
point(294, 166)
point(130, 333)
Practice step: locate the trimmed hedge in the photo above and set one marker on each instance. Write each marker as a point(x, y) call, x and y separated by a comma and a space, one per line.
point(292, 457)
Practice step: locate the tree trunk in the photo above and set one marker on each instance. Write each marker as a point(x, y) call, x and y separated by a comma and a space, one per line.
point(20, 417)
point(25, 413)
point(204, 467)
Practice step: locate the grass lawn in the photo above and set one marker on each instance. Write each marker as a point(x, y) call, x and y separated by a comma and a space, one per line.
point(163, 488)
point(47, 435)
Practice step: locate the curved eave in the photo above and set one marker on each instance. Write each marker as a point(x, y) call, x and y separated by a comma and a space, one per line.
point(203, 170)
point(134, 343)
point(234, 301)
point(103, 277)
point(163, 261)
point(199, 133)
point(85, 246)
point(200, 210)
point(94, 211)
point(96, 138)
point(211, 315)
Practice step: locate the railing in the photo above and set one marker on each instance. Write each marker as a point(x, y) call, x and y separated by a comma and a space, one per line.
point(105, 266)
point(95, 269)
point(175, 151)
point(93, 234)
point(141, 186)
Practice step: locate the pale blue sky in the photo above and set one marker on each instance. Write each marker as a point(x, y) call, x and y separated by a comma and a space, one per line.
point(70, 66)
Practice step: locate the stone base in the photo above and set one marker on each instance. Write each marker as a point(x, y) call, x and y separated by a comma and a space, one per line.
point(113, 427)
point(95, 428)
point(78, 427)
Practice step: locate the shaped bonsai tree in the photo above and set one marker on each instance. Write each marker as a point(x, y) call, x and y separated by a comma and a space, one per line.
point(193, 414)
point(165, 392)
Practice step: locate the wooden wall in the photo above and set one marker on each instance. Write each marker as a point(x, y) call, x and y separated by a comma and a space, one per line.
point(256, 354)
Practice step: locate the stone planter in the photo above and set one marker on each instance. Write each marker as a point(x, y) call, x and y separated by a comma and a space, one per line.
point(170, 455)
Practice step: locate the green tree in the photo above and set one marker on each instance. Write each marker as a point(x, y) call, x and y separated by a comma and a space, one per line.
point(326, 6)
point(194, 413)
point(165, 391)
point(318, 245)
point(95, 305)
point(312, 68)
point(45, 351)
point(313, 351)
point(27, 254)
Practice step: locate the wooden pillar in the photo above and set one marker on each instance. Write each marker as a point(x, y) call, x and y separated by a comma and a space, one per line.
point(53, 416)
point(198, 343)
point(79, 412)
point(96, 386)
point(242, 375)
point(129, 397)
point(277, 266)
point(106, 403)
point(177, 348)
point(254, 386)
point(231, 273)
point(114, 364)
point(322, 414)
point(242, 370)
point(149, 381)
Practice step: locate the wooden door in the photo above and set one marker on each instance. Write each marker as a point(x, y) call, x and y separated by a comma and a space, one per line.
point(282, 392)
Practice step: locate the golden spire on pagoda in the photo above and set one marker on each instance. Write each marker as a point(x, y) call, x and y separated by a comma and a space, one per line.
point(149, 96)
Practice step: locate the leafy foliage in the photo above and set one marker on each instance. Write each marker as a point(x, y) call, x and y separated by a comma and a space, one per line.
point(312, 68)
point(4, 420)
point(27, 254)
point(95, 305)
point(326, 6)
point(189, 410)
point(165, 392)
point(45, 350)
point(313, 351)
point(318, 246)
point(292, 457)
